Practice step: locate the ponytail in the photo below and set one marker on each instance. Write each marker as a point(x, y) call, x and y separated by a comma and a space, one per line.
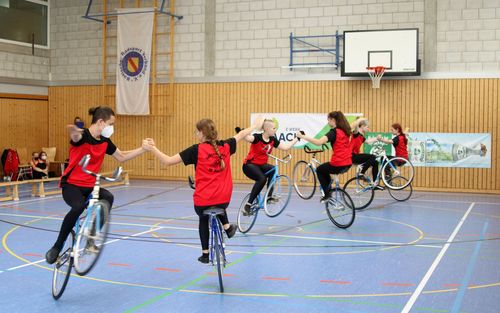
point(207, 128)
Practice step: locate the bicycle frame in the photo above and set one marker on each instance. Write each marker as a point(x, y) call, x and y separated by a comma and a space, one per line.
point(216, 233)
point(275, 168)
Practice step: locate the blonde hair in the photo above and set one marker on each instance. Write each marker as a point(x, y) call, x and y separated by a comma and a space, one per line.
point(359, 122)
point(207, 127)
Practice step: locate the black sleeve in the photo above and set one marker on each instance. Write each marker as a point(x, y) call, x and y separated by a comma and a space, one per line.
point(364, 139)
point(84, 139)
point(111, 147)
point(395, 141)
point(331, 135)
point(232, 145)
point(276, 142)
point(190, 155)
point(257, 138)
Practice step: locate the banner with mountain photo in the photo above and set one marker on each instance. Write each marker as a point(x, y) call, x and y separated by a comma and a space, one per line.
point(313, 124)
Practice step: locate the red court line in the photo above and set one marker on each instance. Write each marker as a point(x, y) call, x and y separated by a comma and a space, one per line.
point(173, 270)
point(398, 284)
point(33, 254)
point(119, 264)
point(338, 282)
point(451, 285)
point(275, 278)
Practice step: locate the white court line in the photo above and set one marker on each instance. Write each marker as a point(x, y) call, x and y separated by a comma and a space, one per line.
point(434, 265)
point(333, 239)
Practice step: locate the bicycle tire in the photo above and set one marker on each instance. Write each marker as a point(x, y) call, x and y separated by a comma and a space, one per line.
point(302, 171)
point(64, 262)
point(361, 194)
point(340, 201)
point(246, 222)
point(400, 194)
point(281, 192)
point(405, 169)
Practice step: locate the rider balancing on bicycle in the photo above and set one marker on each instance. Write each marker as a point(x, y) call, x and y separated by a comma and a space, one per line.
point(255, 165)
point(359, 128)
point(341, 159)
point(77, 185)
point(213, 179)
point(399, 142)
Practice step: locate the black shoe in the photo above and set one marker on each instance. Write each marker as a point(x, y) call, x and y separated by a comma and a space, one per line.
point(204, 259)
point(273, 200)
point(325, 198)
point(247, 210)
point(52, 255)
point(378, 187)
point(231, 231)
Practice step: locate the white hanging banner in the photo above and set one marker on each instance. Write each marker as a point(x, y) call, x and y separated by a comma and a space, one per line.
point(134, 59)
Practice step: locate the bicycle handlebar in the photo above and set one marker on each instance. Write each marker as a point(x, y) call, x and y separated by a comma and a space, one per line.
point(285, 160)
point(323, 148)
point(84, 162)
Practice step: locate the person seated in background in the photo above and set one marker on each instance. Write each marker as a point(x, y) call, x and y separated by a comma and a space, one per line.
point(78, 122)
point(41, 166)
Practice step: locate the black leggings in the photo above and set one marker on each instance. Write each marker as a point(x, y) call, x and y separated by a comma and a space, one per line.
point(257, 173)
point(368, 160)
point(203, 225)
point(76, 198)
point(325, 170)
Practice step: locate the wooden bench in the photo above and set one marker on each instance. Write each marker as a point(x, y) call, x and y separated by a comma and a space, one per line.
point(11, 190)
point(38, 188)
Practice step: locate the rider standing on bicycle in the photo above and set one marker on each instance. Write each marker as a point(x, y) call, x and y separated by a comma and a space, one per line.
point(77, 185)
point(341, 159)
point(255, 165)
point(359, 128)
point(213, 179)
point(399, 142)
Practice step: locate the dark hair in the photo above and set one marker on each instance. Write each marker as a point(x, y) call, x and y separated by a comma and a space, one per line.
point(207, 128)
point(76, 118)
point(101, 113)
point(398, 127)
point(341, 121)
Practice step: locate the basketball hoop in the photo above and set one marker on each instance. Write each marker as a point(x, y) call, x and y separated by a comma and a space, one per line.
point(376, 73)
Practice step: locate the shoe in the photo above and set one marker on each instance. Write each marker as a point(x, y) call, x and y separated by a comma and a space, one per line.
point(52, 255)
point(231, 231)
point(247, 210)
point(378, 187)
point(272, 200)
point(91, 247)
point(325, 198)
point(204, 259)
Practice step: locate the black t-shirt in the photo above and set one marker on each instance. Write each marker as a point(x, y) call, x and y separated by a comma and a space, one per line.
point(190, 155)
point(331, 135)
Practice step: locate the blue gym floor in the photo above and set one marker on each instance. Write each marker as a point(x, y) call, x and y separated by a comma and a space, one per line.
point(394, 258)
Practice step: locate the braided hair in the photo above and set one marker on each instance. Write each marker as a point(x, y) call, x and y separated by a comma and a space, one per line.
point(207, 128)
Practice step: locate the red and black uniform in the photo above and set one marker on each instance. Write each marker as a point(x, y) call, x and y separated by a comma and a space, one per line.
point(340, 161)
point(400, 144)
point(255, 165)
point(77, 185)
point(367, 160)
point(214, 185)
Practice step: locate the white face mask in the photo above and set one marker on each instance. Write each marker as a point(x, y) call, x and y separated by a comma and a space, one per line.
point(43, 157)
point(107, 131)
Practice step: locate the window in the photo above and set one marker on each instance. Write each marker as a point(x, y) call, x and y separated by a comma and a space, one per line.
point(25, 21)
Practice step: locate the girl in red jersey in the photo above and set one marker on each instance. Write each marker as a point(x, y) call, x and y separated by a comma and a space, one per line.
point(77, 185)
point(255, 165)
point(213, 180)
point(399, 142)
point(341, 159)
point(359, 128)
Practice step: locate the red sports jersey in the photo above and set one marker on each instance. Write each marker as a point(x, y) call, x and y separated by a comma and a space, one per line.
point(259, 149)
point(356, 143)
point(213, 185)
point(400, 143)
point(342, 155)
point(87, 145)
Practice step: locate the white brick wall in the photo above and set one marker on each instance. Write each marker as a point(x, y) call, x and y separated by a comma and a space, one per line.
point(252, 36)
point(468, 35)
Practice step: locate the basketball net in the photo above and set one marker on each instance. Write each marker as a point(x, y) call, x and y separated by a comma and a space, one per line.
point(376, 73)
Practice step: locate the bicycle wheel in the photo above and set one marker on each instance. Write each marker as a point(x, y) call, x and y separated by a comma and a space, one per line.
point(340, 208)
point(400, 194)
point(219, 256)
point(246, 222)
point(91, 237)
point(62, 267)
point(360, 192)
point(304, 180)
point(397, 167)
point(277, 196)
